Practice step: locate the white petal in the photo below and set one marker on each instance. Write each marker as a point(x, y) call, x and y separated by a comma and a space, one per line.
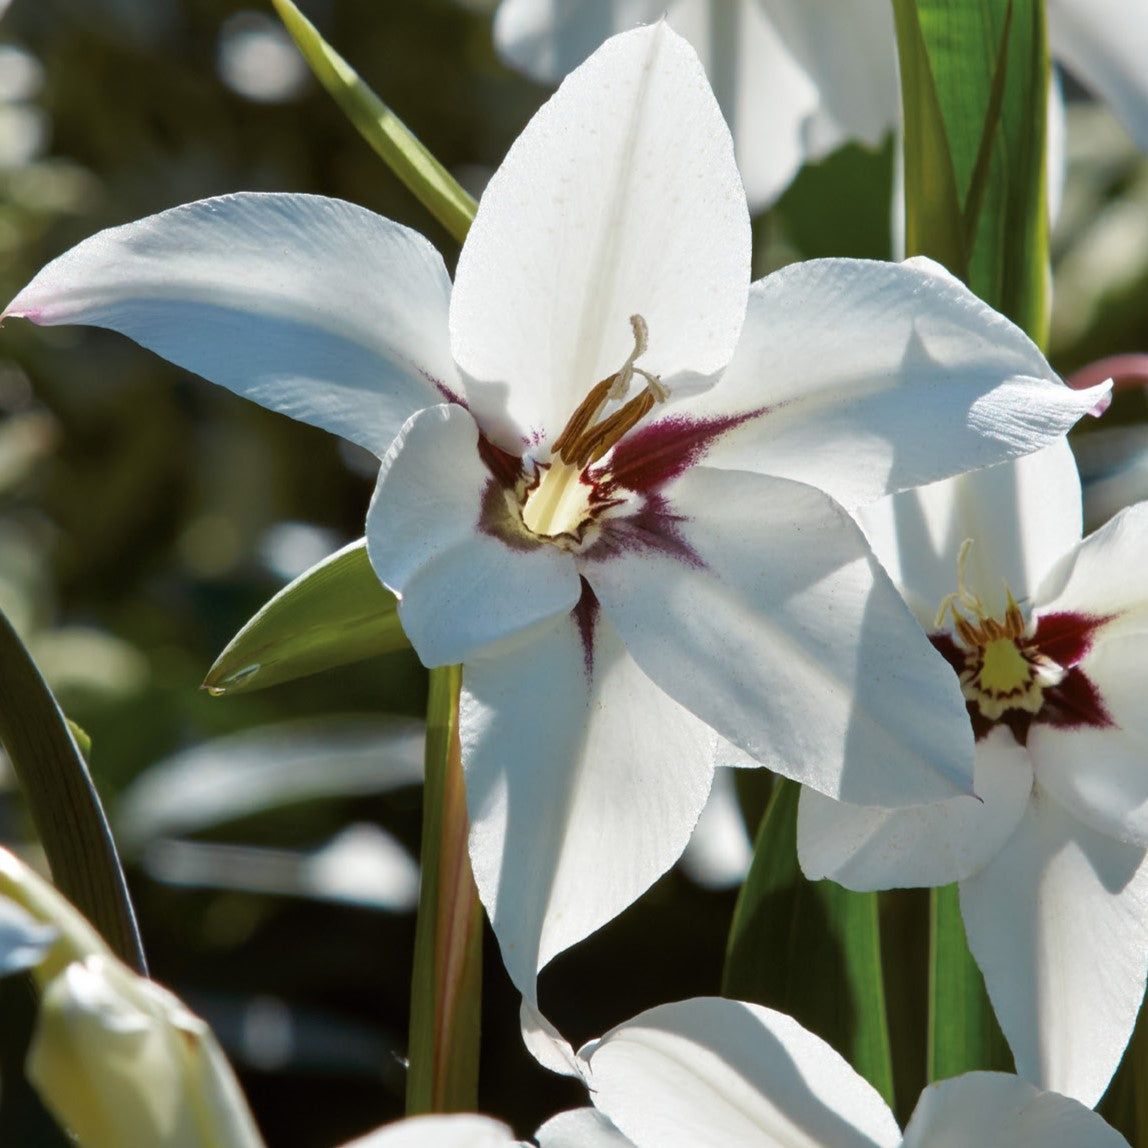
point(868, 378)
point(775, 624)
point(583, 783)
point(1105, 43)
point(24, 940)
point(460, 587)
point(867, 847)
point(621, 197)
point(580, 1128)
point(456, 1130)
point(1058, 922)
point(994, 1108)
point(714, 1073)
point(1021, 516)
point(1101, 773)
point(1105, 574)
point(719, 852)
point(310, 306)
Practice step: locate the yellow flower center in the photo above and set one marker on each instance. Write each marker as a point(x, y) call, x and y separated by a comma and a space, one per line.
point(1004, 668)
point(564, 498)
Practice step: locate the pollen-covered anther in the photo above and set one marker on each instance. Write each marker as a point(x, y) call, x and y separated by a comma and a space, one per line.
point(1004, 667)
point(566, 497)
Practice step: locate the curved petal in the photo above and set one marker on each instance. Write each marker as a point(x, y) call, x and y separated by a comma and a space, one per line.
point(1106, 574)
point(711, 1071)
point(1105, 43)
point(849, 52)
point(1100, 774)
point(312, 307)
point(456, 1130)
point(992, 1108)
point(580, 1128)
point(720, 850)
point(773, 622)
point(621, 197)
point(867, 847)
point(583, 783)
point(1058, 922)
point(1021, 516)
point(460, 587)
point(868, 378)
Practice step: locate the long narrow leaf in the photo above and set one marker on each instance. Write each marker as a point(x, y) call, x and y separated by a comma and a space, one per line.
point(434, 187)
point(331, 615)
point(62, 800)
point(810, 948)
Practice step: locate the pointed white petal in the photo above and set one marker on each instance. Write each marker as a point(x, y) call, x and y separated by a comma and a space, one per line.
point(1021, 516)
point(621, 197)
point(1101, 773)
point(310, 306)
point(869, 378)
point(1058, 922)
point(456, 1130)
point(867, 847)
point(580, 1128)
point(714, 1073)
point(1104, 43)
point(994, 1108)
point(1106, 574)
point(545, 1043)
point(460, 586)
point(766, 614)
point(583, 783)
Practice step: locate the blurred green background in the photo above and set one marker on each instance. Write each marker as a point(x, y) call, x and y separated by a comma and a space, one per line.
point(145, 515)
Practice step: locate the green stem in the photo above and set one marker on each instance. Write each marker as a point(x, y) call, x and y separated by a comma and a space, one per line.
point(446, 987)
point(62, 801)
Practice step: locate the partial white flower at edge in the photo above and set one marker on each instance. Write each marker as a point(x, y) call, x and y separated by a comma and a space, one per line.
point(614, 475)
point(1050, 854)
point(798, 78)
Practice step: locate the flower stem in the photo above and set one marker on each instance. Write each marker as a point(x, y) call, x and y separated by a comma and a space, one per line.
point(446, 986)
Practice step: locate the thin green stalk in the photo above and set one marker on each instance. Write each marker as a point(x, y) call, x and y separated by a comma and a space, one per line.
point(446, 985)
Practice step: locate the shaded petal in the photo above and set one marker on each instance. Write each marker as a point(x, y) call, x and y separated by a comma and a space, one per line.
point(459, 587)
point(1101, 774)
point(774, 623)
point(1022, 517)
point(580, 1128)
point(24, 940)
point(1105, 43)
point(1058, 922)
point(621, 197)
point(719, 852)
point(456, 1130)
point(867, 847)
point(583, 783)
point(711, 1071)
point(995, 1108)
point(312, 307)
point(873, 377)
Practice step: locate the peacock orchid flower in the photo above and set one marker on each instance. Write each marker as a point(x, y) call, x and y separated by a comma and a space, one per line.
point(613, 473)
point(717, 1073)
point(1046, 635)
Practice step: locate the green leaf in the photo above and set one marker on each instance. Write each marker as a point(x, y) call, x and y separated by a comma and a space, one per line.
point(975, 86)
point(446, 984)
point(335, 613)
point(434, 187)
point(810, 948)
point(62, 801)
point(963, 1032)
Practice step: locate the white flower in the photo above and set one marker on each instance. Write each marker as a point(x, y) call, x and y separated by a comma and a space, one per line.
point(1047, 634)
point(716, 1073)
point(798, 78)
point(600, 468)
